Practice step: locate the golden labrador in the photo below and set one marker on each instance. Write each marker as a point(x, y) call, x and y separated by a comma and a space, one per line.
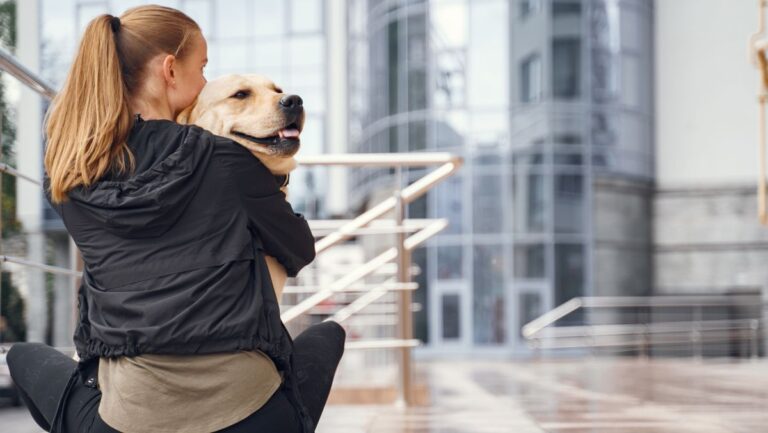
point(253, 111)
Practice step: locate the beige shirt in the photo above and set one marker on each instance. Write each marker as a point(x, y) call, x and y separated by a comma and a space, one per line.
point(189, 393)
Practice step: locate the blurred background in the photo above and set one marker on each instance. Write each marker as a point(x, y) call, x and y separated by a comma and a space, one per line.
point(602, 203)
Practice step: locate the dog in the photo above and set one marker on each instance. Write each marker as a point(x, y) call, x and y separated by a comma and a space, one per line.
point(253, 111)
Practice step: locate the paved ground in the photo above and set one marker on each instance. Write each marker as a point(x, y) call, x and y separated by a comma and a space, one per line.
point(16, 420)
point(582, 396)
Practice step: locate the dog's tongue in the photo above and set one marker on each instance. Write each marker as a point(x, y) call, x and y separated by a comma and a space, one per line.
point(289, 133)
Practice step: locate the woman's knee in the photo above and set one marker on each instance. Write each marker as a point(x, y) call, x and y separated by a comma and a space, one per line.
point(18, 354)
point(328, 334)
point(335, 330)
point(338, 333)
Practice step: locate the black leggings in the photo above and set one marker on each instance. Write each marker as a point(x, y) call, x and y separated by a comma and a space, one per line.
point(41, 374)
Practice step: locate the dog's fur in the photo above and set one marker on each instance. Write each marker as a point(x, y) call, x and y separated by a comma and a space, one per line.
point(247, 109)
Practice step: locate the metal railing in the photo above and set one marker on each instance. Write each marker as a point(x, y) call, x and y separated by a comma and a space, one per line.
point(695, 329)
point(409, 234)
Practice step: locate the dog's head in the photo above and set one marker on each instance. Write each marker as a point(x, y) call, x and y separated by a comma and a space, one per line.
point(253, 111)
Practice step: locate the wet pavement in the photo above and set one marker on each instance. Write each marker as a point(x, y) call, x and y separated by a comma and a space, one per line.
point(575, 396)
point(565, 396)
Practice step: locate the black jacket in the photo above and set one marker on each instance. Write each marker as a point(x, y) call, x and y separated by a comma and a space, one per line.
point(174, 253)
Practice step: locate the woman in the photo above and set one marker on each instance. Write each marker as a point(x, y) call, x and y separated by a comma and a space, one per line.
point(179, 328)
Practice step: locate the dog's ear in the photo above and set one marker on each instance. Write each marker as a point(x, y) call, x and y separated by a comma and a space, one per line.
point(186, 117)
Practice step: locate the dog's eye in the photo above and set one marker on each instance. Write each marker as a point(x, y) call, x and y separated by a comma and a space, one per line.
point(241, 94)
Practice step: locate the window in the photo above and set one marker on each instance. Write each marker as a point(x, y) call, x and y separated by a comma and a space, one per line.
point(451, 317)
point(561, 8)
point(569, 215)
point(488, 294)
point(487, 64)
point(450, 262)
point(566, 62)
point(528, 7)
point(306, 16)
point(529, 308)
point(530, 200)
point(530, 261)
point(569, 272)
point(530, 79)
point(487, 215)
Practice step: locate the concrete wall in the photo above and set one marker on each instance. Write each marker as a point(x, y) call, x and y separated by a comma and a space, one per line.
point(622, 233)
point(708, 240)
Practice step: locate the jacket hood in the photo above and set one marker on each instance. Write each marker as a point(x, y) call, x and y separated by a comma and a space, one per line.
point(170, 160)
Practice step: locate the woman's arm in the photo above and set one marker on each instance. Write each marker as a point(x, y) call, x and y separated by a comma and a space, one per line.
point(284, 233)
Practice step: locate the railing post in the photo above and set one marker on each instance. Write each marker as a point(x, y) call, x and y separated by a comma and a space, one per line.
point(405, 322)
point(645, 343)
point(754, 326)
point(696, 333)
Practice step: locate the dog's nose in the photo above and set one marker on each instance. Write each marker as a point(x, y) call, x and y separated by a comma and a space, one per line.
point(289, 102)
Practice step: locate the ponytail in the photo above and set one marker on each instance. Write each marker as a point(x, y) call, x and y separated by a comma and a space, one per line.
point(88, 122)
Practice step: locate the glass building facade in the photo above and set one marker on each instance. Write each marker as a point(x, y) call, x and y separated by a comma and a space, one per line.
point(549, 103)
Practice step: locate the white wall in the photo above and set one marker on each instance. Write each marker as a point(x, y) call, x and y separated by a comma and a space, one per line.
point(706, 93)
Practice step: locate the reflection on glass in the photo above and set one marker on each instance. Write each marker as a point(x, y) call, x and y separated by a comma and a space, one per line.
point(530, 79)
point(488, 294)
point(450, 262)
point(566, 67)
point(530, 261)
point(451, 317)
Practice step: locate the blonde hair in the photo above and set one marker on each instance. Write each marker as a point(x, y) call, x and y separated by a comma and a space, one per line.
point(89, 120)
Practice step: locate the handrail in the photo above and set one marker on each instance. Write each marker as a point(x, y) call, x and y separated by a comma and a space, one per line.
point(532, 328)
point(549, 318)
point(595, 335)
point(657, 327)
point(412, 159)
point(9, 64)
